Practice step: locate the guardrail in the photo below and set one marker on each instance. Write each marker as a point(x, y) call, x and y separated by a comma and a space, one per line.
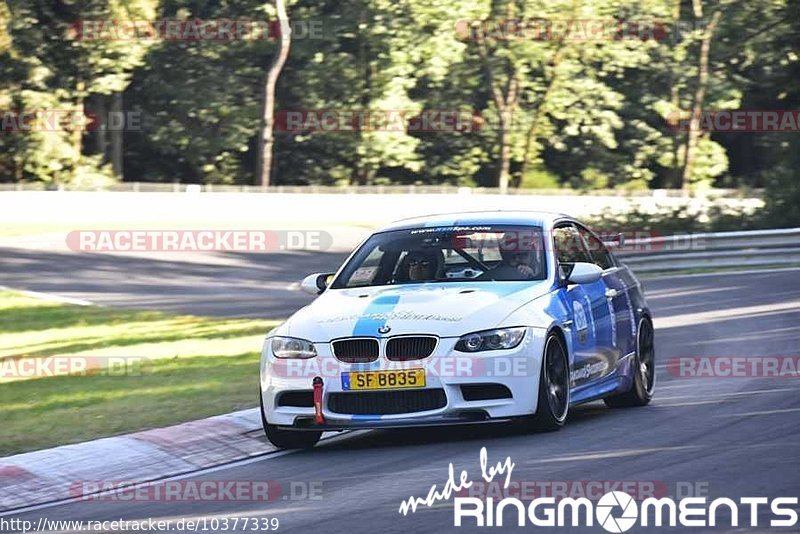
point(712, 250)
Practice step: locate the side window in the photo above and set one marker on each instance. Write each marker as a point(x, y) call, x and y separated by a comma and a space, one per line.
point(366, 274)
point(600, 254)
point(569, 245)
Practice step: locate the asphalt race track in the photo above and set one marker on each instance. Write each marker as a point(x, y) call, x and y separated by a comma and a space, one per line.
point(728, 437)
point(223, 284)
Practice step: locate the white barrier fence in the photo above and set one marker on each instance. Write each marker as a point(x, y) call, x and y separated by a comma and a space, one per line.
point(351, 217)
point(712, 250)
point(410, 189)
point(322, 209)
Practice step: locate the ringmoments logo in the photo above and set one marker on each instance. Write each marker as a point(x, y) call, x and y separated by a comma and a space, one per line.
point(605, 509)
point(615, 511)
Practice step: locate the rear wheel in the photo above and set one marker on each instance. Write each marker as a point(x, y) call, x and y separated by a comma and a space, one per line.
point(644, 372)
point(286, 438)
point(553, 404)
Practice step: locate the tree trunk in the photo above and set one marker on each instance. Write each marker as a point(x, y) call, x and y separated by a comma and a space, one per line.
point(267, 137)
point(675, 176)
point(506, 104)
point(506, 124)
point(100, 136)
point(116, 135)
point(76, 134)
point(505, 158)
point(693, 136)
point(361, 169)
point(536, 114)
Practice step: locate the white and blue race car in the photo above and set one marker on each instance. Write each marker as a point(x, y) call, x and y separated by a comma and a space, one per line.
point(461, 318)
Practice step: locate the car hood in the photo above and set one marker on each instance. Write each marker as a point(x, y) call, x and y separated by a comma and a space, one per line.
point(446, 309)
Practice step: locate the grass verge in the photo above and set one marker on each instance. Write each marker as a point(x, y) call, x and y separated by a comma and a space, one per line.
point(166, 369)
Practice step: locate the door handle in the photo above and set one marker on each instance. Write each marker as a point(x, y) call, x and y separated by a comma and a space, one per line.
point(611, 293)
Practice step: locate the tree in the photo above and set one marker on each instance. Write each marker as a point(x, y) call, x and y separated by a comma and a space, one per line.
point(558, 109)
point(56, 68)
point(200, 101)
point(268, 116)
point(555, 90)
point(698, 100)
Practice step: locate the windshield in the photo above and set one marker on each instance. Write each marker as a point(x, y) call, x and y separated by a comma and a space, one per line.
point(447, 254)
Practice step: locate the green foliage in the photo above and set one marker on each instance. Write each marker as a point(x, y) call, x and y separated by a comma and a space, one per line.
point(92, 173)
point(45, 156)
point(711, 161)
point(714, 216)
point(783, 199)
point(46, 67)
point(539, 178)
point(199, 103)
point(587, 113)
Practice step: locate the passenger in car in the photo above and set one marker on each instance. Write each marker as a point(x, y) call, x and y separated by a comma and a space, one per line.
point(519, 262)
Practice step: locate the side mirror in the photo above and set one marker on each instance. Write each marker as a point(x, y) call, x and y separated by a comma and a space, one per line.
point(584, 273)
point(314, 284)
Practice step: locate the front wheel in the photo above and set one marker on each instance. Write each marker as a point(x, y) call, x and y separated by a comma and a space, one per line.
point(291, 439)
point(553, 404)
point(287, 438)
point(644, 371)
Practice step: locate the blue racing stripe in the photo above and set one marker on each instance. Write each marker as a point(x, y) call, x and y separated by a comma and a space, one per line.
point(367, 325)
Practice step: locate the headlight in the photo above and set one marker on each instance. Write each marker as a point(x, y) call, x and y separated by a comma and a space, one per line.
point(502, 338)
point(292, 347)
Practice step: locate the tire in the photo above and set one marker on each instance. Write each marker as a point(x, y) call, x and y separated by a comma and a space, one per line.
point(553, 405)
point(644, 376)
point(285, 438)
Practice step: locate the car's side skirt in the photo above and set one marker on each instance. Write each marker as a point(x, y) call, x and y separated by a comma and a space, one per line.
point(615, 382)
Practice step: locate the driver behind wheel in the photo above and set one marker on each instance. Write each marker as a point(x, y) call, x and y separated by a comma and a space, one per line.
point(420, 266)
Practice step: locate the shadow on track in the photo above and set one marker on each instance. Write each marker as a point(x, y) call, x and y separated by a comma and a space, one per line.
point(221, 284)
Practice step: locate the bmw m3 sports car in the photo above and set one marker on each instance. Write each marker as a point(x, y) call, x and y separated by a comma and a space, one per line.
point(461, 318)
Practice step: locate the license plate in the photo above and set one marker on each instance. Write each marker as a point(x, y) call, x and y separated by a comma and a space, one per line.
point(407, 378)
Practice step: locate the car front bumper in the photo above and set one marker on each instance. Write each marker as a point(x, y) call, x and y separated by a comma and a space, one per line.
point(517, 369)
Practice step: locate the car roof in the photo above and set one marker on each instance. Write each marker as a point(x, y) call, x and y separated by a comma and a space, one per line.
point(544, 219)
